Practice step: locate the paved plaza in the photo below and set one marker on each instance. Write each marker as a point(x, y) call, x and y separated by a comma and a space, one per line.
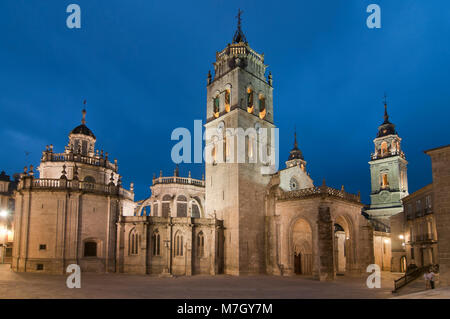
point(32, 285)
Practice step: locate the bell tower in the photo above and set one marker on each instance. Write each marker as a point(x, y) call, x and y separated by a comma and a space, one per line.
point(389, 182)
point(239, 109)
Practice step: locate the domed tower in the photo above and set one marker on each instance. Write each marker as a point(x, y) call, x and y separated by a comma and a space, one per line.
point(68, 215)
point(388, 171)
point(296, 156)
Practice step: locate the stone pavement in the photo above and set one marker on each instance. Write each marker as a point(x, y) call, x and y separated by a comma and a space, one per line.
point(32, 285)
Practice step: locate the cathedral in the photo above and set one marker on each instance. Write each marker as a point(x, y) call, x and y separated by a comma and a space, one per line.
point(239, 219)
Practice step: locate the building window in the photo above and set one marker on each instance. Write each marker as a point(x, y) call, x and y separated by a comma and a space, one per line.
point(84, 147)
point(155, 209)
point(178, 245)
point(384, 149)
point(412, 252)
point(418, 207)
point(195, 210)
point(251, 147)
point(90, 249)
point(133, 247)
point(216, 106)
point(384, 180)
point(42, 247)
point(39, 266)
point(249, 100)
point(200, 245)
point(166, 205)
point(181, 206)
point(428, 201)
point(156, 241)
point(227, 100)
point(262, 107)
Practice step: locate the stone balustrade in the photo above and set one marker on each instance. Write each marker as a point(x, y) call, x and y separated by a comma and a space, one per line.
point(178, 180)
point(378, 155)
point(79, 158)
point(29, 182)
point(319, 191)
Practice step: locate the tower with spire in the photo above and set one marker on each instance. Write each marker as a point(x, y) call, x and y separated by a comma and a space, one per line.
point(239, 96)
point(296, 156)
point(388, 171)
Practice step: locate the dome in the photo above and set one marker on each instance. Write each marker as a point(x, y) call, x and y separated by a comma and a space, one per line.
point(82, 129)
point(386, 128)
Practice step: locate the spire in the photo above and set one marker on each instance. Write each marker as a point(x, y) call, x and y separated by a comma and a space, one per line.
point(386, 128)
point(83, 120)
point(295, 153)
point(295, 138)
point(386, 116)
point(239, 35)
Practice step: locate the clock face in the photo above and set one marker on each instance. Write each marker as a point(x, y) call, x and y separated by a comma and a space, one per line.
point(293, 184)
point(385, 196)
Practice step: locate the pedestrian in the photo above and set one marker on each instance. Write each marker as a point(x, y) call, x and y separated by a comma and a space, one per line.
point(426, 276)
point(431, 278)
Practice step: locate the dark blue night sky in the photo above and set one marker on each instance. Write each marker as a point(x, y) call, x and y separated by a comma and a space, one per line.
point(142, 67)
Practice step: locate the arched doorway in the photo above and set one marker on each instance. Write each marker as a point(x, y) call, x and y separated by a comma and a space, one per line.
point(302, 247)
point(403, 264)
point(342, 245)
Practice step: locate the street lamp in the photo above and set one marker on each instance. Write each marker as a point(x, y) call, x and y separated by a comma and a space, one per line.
point(4, 213)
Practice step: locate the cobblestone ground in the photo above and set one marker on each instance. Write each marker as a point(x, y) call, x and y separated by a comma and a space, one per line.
point(31, 285)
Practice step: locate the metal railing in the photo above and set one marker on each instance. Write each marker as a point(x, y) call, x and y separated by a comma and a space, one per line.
point(407, 278)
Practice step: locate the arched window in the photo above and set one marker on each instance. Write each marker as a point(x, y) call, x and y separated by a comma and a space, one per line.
point(200, 245)
point(90, 249)
point(216, 102)
point(214, 154)
point(384, 149)
point(156, 243)
point(133, 247)
point(181, 206)
point(195, 210)
point(84, 147)
point(155, 209)
point(178, 251)
point(250, 100)
point(251, 148)
point(227, 100)
point(262, 106)
point(89, 182)
point(166, 205)
point(384, 180)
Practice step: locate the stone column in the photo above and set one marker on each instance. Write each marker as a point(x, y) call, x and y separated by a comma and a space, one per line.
point(326, 244)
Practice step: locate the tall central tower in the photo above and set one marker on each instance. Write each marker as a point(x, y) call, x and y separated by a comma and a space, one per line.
point(238, 97)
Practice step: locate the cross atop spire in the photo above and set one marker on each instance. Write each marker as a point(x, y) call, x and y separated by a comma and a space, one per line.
point(295, 138)
point(239, 35)
point(83, 120)
point(386, 116)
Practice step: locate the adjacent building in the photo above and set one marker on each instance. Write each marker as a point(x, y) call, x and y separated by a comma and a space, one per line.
point(7, 187)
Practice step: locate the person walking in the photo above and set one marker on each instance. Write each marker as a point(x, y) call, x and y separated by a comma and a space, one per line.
point(426, 276)
point(431, 278)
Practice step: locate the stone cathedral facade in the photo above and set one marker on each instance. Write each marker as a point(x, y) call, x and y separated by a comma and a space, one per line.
point(240, 219)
